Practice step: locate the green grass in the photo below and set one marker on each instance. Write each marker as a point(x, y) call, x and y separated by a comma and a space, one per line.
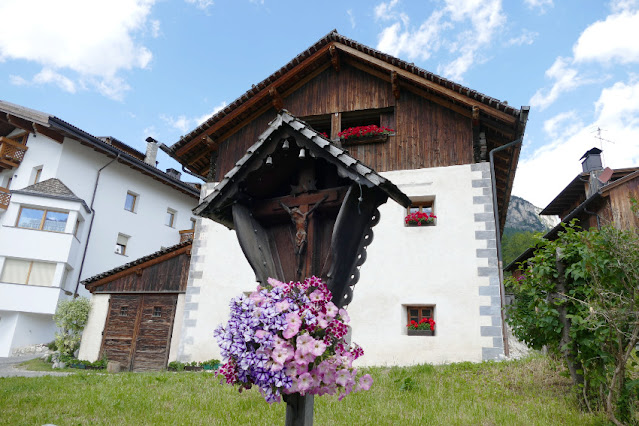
point(38, 364)
point(526, 392)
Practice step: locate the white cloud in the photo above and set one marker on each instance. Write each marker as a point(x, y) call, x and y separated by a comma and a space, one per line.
point(539, 4)
point(17, 80)
point(461, 27)
point(527, 37)
point(566, 78)
point(563, 123)
point(62, 37)
point(185, 124)
point(611, 40)
point(203, 4)
point(542, 176)
point(384, 11)
point(351, 17)
point(49, 76)
point(155, 28)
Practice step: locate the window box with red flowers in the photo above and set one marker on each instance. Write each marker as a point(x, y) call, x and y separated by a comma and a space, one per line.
point(425, 327)
point(419, 219)
point(365, 134)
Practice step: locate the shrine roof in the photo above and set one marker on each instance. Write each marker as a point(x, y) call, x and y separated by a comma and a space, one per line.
point(346, 164)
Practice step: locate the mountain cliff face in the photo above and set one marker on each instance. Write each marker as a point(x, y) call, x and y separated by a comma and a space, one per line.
point(524, 216)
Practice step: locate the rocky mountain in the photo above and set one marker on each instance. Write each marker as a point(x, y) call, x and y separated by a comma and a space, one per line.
point(524, 216)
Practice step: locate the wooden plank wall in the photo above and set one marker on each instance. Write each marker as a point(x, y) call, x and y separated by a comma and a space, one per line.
point(168, 276)
point(427, 134)
point(622, 213)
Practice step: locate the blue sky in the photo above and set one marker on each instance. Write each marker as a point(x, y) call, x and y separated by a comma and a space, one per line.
point(137, 68)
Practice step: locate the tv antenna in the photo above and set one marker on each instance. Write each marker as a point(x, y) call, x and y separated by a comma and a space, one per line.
point(601, 140)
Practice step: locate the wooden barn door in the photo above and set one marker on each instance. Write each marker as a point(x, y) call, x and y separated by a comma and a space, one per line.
point(153, 337)
point(138, 330)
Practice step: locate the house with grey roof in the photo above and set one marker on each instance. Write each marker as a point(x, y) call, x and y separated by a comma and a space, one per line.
point(73, 205)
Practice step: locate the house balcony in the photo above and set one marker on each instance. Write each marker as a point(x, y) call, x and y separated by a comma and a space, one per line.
point(11, 153)
point(186, 235)
point(5, 197)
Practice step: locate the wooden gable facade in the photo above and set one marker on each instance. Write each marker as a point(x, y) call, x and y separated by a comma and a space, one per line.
point(338, 83)
point(143, 297)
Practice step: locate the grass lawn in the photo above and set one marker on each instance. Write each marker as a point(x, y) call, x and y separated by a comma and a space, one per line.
point(525, 392)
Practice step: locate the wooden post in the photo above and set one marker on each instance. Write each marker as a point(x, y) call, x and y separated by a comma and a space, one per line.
point(299, 410)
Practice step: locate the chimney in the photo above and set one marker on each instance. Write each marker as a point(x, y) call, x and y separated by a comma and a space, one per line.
point(151, 151)
point(592, 161)
point(593, 166)
point(174, 173)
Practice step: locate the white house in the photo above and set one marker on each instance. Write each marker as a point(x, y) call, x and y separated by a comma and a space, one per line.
point(452, 150)
point(73, 205)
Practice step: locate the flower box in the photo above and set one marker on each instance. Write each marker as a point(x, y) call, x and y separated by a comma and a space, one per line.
point(420, 219)
point(413, 332)
point(356, 140)
point(193, 368)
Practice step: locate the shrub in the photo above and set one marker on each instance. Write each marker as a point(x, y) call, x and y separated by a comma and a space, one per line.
point(71, 316)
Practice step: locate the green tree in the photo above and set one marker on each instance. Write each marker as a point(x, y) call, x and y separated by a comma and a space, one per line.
point(578, 297)
point(515, 243)
point(71, 317)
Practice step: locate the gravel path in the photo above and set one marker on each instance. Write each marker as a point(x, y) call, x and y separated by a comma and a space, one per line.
point(9, 368)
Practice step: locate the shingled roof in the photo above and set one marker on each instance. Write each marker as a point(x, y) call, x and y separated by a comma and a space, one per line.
point(318, 145)
point(137, 262)
point(52, 188)
point(17, 116)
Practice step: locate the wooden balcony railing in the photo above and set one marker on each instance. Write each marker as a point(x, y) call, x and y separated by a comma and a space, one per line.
point(186, 235)
point(11, 153)
point(5, 196)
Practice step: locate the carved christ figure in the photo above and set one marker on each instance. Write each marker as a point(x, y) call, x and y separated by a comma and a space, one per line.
point(300, 220)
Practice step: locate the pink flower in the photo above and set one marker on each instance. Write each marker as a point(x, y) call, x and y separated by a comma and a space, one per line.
point(344, 315)
point(305, 343)
point(343, 377)
point(281, 354)
point(316, 296)
point(331, 310)
point(317, 347)
point(304, 382)
point(321, 321)
point(365, 382)
point(293, 322)
point(282, 306)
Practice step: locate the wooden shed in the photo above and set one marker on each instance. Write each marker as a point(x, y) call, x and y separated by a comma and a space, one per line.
point(142, 301)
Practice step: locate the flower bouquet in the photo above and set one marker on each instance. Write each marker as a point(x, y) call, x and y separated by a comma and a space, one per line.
point(419, 219)
point(289, 338)
point(364, 131)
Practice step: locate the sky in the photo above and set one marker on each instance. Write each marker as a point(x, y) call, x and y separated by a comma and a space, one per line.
point(137, 68)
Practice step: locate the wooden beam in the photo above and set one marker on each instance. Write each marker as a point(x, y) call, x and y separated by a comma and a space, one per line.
point(435, 87)
point(48, 133)
point(251, 102)
point(395, 84)
point(334, 58)
point(19, 122)
point(336, 124)
point(276, 99)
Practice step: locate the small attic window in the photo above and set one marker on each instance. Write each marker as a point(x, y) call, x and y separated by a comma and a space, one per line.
point(321, 123)
point(360, 118)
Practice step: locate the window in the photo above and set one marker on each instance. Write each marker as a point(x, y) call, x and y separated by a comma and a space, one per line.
point(42, 219)
point(131, 201)
point(417, 313)
point(121, 243)
point(157, 311)
point(37, 174)
point(423, 211)
point(124, 310)
point(170, 218)
point(18, 271)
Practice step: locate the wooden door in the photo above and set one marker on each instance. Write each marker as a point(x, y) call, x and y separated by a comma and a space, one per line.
point(119, 330)
point(138, 330)
point(153, 338)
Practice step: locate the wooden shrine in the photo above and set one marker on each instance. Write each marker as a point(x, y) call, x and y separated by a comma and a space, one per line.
point(301, 206)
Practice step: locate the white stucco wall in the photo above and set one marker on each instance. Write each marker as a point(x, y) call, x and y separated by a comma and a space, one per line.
point(451, 265)
point(92, 334)
point(177, 328)
point(8, 320)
